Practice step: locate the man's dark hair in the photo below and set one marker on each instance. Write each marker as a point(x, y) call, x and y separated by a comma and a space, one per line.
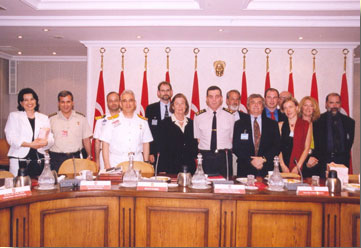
point(271, 89)
point(65, 93)
point(164, 83)
point(213, 87)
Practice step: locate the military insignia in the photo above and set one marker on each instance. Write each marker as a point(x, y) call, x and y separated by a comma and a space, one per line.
point(53, 114)
point(79, 113)
point(142, 117)
point(99, 117)
point(201, 112)
point(228, 110)
point(113, 117)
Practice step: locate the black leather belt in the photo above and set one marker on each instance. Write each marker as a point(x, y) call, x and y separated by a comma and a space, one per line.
point(215, 151)
point(68, 154)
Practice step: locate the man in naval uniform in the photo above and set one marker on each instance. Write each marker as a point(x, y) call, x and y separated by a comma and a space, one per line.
point(213, 127)
point(126, 133)
point(71, 132)
point(113, 103)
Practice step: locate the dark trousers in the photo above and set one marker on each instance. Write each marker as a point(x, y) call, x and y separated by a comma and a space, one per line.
point(56, 159)
point(216, 163)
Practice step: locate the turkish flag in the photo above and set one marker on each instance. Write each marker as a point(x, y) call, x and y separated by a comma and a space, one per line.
point(314, 89)
point(144, 100)
point(290, 84)
point(345, 107)
point(268, 82)
point(122, 83)
point(243, 106)
point(167, 78)
point(195, 96)
point(99, 106)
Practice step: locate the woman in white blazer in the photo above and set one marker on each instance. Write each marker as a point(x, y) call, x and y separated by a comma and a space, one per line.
point(28, 134)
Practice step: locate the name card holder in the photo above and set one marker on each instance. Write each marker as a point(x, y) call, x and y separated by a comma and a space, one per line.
point(152, 186)
point(91, 185)
point(15, 192)
point(229, 188)
point(310, 190)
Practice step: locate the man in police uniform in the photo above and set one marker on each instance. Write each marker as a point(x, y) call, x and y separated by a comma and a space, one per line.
point(156, 112)
point(113, 103)
point(126, 133)
point(213, 127)
point(71, 132)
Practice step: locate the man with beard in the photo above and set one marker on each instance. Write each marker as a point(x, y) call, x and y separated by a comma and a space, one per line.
point(113, 103)
point(333, 135)
point(126, 133)
point(233, 101)
point(156, 112)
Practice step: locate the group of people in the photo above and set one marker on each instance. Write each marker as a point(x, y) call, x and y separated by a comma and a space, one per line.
point(275, 125)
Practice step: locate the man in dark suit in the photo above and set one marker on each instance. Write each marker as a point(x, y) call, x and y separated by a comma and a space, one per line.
point(156, 112)
point(256, 140)
point(271, 111)
point(333, 135)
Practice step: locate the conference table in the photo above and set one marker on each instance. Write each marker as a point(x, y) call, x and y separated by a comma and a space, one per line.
point(179, 217)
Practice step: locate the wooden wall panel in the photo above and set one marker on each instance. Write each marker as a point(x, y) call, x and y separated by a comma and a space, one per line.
point(332, 225)
point(350, 225)
point(282, 224)
point(228, 223)
point(5, 227)
point(177, 223)
point(75, 222)
point(20, 225)
point(127, 222)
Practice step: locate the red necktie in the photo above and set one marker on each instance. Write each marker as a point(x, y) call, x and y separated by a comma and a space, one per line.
point(273, 116)
point(257, 135)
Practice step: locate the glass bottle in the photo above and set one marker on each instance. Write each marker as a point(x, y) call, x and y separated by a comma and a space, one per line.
point(130, 177)
point(199, 179)
point(46, 179)
point(275, 182)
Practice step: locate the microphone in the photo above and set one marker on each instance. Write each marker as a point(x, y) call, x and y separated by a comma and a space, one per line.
point(299, 170)
point(156, 166)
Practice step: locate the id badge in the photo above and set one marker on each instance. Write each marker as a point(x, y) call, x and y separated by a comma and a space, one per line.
point(64, 133)
point(244, 136)
point(154, 122)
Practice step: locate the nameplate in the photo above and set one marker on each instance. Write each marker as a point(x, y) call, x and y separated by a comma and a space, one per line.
point(229, 188)
point(152, 186)
point(309, 190)
point(89, 185)
point(15, 192)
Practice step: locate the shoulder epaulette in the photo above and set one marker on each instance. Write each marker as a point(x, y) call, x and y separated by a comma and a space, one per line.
point(79, 113)
point(99, 117)
point(53, 114)
point(201, 112)
point(142, 117)
point(228, 110)
point(113, 117)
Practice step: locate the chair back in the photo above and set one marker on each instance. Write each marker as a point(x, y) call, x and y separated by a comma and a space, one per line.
point(146, 169)
point(5, 174)
point(4, 149)
point(67, 167)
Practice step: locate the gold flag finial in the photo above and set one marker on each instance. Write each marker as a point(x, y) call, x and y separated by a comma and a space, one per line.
point(168, 50)
point(244, 51)
point(102, 51)
point(345, 52)
point(290, 52)
point(196, 51)
point(314, 52)
point(146, 51)
point(267, 51)
point(123, 50)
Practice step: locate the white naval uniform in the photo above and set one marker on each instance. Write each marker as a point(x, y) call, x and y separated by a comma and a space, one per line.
point(99, 125)
point(126, 135)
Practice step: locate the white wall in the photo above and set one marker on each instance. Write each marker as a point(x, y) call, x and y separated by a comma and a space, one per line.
point(329, 67)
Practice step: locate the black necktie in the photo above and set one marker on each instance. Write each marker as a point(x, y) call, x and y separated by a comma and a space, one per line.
point(166, 111)
point(214, 133)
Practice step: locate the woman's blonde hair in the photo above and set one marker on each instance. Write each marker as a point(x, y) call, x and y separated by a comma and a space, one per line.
point(316, 109)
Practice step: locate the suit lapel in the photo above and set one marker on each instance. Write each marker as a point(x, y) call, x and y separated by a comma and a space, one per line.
point(249, 127)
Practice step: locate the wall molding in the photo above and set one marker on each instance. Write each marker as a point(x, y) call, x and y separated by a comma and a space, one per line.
point(5, 56)
point(219, 44)
point(181, 21)
point(44, 58)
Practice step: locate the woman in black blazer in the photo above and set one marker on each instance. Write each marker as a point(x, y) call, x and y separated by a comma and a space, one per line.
point(177, 146)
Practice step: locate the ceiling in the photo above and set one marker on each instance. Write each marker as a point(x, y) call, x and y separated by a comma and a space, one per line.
point(72, 23)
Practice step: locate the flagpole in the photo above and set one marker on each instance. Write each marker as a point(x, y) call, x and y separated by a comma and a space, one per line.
point(244, 51)
point(167, 78)
point(314, 87)
point(195, 92)
point(102, 51)
point(314, 52)
point(267, 51)
point(123, 50)
point(144, 97)
point(290, 52)
point(268, 80)
point(243, 104)
point(290, 78)
point(345, 53)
